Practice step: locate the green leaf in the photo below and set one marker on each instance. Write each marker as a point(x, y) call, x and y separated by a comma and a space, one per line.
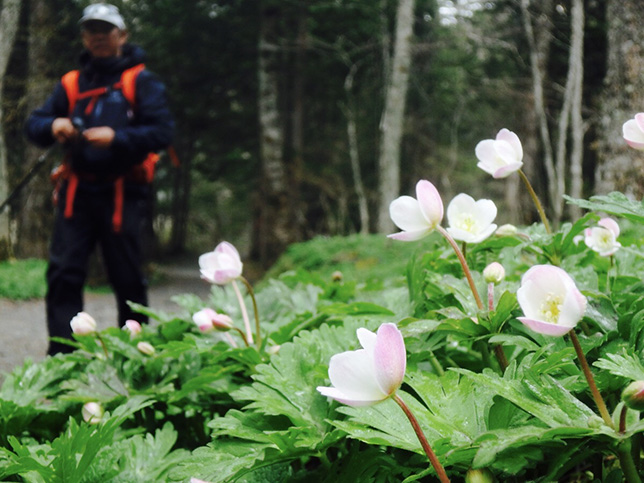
point(540, 395)
point(615, 204)
point(626, 365)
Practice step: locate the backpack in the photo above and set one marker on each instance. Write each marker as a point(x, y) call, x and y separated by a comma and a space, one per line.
point(140, 173)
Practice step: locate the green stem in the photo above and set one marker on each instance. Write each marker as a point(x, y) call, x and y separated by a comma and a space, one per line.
point(599, 401)
point(252, 297)
point(100, 339)
point(466, 268)
point(433, 459)
point(626, 462)
point(241, 332)
point(535, 199)
point(438, 369)
point(242, 306)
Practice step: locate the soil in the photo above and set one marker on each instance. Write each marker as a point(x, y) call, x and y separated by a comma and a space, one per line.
point(24, 329)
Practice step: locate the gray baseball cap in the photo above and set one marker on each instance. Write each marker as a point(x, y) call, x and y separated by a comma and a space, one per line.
point(103, 12)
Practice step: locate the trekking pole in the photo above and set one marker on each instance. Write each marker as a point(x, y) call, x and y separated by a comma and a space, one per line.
point(79, 125)
point(26, 178)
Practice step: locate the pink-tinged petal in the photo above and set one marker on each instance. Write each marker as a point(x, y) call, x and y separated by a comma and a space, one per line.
point(573, 308)
point(406, 214)
point(507, 170)
point(352, 374)
point(227, 249)
point(639, 119)
point(545, 328)
point(410, 236)
point(514, 141)
point(430, 202)
point(610, 225)
point(506, 152)
point(633, 134)
point(390, 358)
point(339, 396)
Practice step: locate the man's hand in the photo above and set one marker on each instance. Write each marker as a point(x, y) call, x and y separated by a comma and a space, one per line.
point(63, 130)
point(99, 137)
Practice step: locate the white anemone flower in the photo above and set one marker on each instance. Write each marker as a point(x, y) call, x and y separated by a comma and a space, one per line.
point(633, 132)
point(83, 324)
point(502, 156)
point(369, 375)
point(222, 265)
point(550, 300)
point(417, 217)
point(603, 238)
point(470, 221)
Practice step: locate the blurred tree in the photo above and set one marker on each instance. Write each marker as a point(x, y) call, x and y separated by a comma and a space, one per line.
point(619, 167)
point(9, 15)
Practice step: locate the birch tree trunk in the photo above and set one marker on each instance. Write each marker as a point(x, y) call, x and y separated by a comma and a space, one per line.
point(570, 121)
point(577, 123)
point(621, 168)
point(9, 15)
point(392, 122)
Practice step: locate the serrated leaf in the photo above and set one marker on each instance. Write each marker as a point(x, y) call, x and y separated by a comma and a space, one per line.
point(626, 365)
point(614, 203)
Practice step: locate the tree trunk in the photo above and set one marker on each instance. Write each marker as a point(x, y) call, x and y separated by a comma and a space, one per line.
point(273, 231)
point(352, 134)
point(391, 127)
point(577, 124)
point(539, 49)
point(36, 214)
point(9, 15)
point(621, 168)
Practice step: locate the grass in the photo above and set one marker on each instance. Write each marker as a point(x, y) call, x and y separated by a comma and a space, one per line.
point(361, 258)
point(22, 279)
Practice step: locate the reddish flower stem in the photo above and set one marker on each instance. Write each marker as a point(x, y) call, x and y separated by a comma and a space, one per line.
point(466, 268)
point(440, 471)
point(599, 401)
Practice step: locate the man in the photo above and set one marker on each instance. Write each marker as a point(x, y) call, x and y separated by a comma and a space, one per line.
point(110, 124)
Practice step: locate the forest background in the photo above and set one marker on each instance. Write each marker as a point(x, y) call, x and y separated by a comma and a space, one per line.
point(298, 118)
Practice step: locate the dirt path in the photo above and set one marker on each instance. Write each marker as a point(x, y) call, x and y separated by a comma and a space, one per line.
point(23, 327)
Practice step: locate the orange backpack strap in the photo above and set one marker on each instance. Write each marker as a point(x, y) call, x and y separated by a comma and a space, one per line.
point(128, 82)
point(70, 84)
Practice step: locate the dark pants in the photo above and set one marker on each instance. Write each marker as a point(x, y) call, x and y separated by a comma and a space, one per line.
point(72, 243)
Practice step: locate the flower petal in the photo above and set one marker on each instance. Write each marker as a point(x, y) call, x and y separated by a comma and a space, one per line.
point(390, 358)
point(406, 214)
point(339, 396)
point(514, 141)
point(352, 373)
point(545, 328)
point(430, 202)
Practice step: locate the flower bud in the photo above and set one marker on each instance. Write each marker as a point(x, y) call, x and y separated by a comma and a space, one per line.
point(133, 327)
point(337, 276)
point(507, 230)
point(92, 412)
point(482, 475)
point(83, 324)
point(494, 273)
point(633, 395)
point(208, 319)
point(222, 322)
point(145, 348)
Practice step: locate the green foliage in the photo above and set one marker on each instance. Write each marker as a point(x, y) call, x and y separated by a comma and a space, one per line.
point(22, 279)
point(205, 405)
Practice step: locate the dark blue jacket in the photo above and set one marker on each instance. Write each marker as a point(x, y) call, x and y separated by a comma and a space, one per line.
point(146, 128)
